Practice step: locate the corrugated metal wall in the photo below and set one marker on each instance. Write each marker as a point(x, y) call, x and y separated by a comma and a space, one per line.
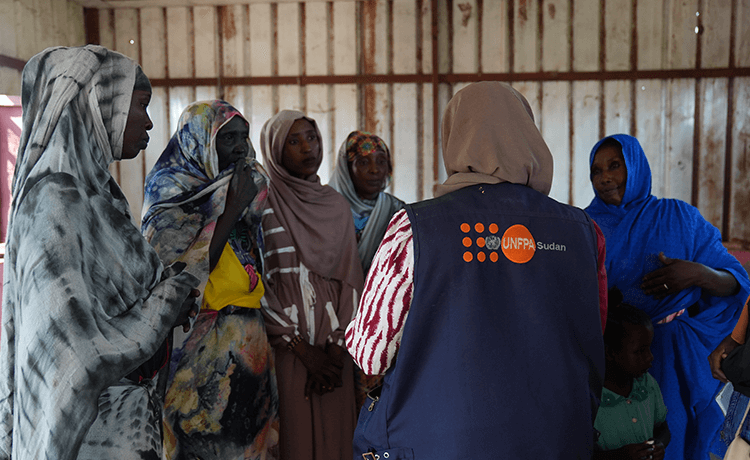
point(29, 26)
point(674, 73)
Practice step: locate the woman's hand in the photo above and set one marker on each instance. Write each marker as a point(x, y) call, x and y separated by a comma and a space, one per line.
point(678, 274)
point(673, 277)
point(658, 453)
point(242, 189)
point(188, 310)
point(322, 372)
point(642, 451)
point(718, 355)
point(337, 355)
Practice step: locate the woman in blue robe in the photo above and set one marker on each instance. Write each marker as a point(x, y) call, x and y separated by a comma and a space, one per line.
point(669, 261)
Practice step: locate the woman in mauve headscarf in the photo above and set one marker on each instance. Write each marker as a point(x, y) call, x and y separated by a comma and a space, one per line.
point(484, 307)
point(669, 261)
point(203, 202)
point(87, 304)
point(313, 269)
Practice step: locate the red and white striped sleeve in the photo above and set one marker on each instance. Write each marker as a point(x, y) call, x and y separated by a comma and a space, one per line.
point(374, 335)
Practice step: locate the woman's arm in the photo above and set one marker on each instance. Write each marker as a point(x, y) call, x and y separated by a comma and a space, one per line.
point(374, 335)
point(242, 191)
point(662, 434)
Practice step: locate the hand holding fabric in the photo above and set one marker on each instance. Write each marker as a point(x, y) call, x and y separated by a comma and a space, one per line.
point(678, 274)
point(673, 277)
point(188, 310)
point(242, 189)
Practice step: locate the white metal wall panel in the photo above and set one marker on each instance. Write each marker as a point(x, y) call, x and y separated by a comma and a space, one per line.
point(694, 129)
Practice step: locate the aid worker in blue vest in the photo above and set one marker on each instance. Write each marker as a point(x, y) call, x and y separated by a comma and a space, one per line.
point(484, 307)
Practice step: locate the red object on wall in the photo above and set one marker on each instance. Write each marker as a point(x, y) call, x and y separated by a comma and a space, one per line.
point(10, 137)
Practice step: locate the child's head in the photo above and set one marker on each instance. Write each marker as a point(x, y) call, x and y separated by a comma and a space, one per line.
point(627, 340)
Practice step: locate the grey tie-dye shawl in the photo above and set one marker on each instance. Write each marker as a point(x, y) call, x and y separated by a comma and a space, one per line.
point(84, 303)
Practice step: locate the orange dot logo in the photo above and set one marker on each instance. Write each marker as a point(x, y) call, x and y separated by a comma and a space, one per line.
point(493, 228)
point(480, 242)
point(465, 228)
point(467, 241)
point(518, 245)
point(493, 256)
point(468, 256)
point(481, 257)
point(479, 228)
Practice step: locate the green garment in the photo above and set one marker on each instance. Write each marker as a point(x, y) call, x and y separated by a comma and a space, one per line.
point(621, 421)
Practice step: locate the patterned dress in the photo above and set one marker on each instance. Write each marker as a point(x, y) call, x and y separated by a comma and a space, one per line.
point(221, 400)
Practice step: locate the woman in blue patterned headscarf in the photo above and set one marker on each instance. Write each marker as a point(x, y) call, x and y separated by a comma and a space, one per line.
point(669, 261)
point(203, 203)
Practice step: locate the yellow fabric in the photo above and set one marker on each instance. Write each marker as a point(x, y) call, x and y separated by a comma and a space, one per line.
point(229, 284)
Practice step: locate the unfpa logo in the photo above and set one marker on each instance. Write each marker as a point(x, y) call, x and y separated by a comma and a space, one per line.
point(516, 243)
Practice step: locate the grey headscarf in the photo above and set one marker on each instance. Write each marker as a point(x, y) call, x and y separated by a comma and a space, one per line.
point(381, 209)
point(84, 303)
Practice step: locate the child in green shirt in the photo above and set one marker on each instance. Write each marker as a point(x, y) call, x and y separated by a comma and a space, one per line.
point(631, 421)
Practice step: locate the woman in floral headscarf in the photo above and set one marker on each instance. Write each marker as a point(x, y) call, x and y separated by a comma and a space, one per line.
point(204, 198)
point(363, 167)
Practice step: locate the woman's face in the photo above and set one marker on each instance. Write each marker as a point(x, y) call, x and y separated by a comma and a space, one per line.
point(301, 155)
point(609, 174)
point(135, 138)
point(232, 142)
point(368, 174)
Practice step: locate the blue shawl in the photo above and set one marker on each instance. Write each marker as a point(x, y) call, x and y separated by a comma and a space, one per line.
point(636, 231)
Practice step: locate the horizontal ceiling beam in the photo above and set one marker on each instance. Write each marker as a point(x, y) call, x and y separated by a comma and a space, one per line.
point(458, 77)
point(629, 75)
point(13, 63)
point(112, 4)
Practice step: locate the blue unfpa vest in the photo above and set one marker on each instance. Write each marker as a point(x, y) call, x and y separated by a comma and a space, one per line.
point(502, 353)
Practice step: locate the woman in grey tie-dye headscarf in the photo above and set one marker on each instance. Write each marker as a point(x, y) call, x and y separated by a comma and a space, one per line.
point(87, 303)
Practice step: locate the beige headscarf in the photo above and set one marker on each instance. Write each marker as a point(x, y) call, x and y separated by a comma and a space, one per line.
point(489, 136)
point(316, 216)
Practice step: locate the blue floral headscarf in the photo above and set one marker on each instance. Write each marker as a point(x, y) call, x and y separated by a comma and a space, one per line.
point(185, 192)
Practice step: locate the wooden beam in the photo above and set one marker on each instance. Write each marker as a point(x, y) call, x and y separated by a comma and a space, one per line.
point(106, 4)
point(632, 75)
point(13, 63)
point(91, 25)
